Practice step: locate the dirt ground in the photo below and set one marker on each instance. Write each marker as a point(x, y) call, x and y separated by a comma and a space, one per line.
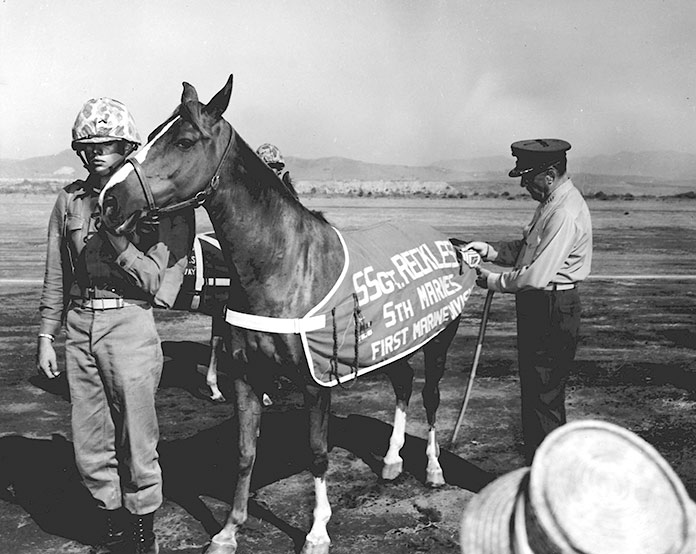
point(636, 366)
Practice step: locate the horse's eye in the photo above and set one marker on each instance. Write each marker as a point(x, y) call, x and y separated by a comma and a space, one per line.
point(184, 143)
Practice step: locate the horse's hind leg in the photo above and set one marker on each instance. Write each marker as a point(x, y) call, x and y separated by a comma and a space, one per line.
point(216, 340)
point(318, 404)
point(401, 377)
point(248, 409)
point(435, 353)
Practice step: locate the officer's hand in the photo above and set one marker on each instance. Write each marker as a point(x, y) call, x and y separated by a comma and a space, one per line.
point(482, 277)
point(46, 360)
point(485, 250)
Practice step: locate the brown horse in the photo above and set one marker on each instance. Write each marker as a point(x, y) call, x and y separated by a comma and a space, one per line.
point(283, 260)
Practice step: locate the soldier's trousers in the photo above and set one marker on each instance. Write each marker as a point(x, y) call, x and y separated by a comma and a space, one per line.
point(114, 364)
point(547, 336)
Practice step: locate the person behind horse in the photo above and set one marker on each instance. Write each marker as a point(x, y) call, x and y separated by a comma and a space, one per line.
point(102, 288)
point(552, 258)
point(272, 157)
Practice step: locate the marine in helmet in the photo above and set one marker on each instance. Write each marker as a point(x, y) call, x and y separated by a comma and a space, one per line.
point(102, 289)
point(272, 157)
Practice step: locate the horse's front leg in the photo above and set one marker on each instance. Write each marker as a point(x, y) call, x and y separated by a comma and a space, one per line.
point(318, 404)
point(401, 377)
point(435, 357)
point(248, 409)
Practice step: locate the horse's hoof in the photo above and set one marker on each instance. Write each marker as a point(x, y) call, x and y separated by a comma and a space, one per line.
point(435, 479)
point(392, 471)
point(316, 548)
point(221, 548)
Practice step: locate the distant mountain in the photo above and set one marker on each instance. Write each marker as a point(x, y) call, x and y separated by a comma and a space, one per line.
point(63, 165)
point(663, 166)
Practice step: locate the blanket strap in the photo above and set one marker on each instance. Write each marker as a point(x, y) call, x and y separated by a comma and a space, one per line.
point(356, 324)
point(333, 362)
point(275, 324)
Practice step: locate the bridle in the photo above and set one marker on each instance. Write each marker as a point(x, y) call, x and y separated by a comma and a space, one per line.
point(153, 213)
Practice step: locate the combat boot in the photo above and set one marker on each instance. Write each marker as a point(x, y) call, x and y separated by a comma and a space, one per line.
point(116, 539)
point(144, 539)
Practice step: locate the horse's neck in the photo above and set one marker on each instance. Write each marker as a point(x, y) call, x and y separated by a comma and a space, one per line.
point(286, 258)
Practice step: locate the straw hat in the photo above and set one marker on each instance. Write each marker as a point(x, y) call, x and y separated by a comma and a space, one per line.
point(593, 488)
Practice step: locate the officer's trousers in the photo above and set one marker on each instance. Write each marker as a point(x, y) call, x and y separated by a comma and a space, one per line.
point(547, 336)
point(114, 364)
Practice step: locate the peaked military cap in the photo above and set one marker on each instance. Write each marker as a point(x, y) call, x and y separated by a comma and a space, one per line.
point(537, 155)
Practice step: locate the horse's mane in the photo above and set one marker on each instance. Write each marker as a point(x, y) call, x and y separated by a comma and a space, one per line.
point(259, 171)
point(256, 166)
point(290, 185)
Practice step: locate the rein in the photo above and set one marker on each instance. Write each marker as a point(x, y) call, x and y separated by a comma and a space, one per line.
point(153, 214)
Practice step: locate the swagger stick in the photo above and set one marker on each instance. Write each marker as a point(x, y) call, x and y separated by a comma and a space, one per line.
point(477, 354)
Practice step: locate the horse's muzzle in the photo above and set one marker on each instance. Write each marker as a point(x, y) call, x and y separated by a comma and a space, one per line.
point(113, 219)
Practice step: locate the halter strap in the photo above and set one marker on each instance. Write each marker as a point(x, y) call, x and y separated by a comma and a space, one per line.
point(196, 201)
point(147, 191)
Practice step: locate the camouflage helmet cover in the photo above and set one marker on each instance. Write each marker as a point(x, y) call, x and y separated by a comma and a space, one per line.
point(104, 120)
point(270, 154)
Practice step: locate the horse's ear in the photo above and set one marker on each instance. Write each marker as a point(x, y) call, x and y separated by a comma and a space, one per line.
point(217, 106)
point(189, 93)
point(190, 108)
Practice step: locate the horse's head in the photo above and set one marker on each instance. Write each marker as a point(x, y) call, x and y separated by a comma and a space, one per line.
point(178, 167)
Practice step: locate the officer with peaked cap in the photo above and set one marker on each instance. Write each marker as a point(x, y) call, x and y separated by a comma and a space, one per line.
point(547, 264)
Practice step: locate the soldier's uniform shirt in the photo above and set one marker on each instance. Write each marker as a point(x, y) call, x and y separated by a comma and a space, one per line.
point(113, 356)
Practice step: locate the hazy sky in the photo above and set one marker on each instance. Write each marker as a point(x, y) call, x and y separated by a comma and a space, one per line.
point(389, 81)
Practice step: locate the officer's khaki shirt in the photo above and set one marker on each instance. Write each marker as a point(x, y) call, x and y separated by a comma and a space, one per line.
point(556, 247)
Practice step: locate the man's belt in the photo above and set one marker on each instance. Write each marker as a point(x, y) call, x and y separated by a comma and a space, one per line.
point(560, 286)
point(106, 303)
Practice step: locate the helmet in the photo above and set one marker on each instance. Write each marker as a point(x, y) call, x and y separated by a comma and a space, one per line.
point(103, 120)
point(270, 155)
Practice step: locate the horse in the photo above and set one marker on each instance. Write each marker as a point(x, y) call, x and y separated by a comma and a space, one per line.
point(283, 260)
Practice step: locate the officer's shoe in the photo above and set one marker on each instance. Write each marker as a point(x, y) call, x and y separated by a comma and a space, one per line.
point(144, 539)
point(115, 539)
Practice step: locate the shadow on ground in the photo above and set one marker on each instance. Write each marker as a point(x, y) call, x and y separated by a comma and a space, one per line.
point(40, 475)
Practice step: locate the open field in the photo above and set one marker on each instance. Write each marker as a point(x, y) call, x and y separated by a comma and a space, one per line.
point(636, 366)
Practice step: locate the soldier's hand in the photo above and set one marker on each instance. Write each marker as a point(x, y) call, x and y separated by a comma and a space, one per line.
point(46, 360)
point(119, 242)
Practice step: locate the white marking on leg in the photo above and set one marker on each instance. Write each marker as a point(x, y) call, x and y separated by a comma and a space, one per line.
point(211, 375)
point(398, 436)
point(318, 536)
point(393, 462)
point(434, 475)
